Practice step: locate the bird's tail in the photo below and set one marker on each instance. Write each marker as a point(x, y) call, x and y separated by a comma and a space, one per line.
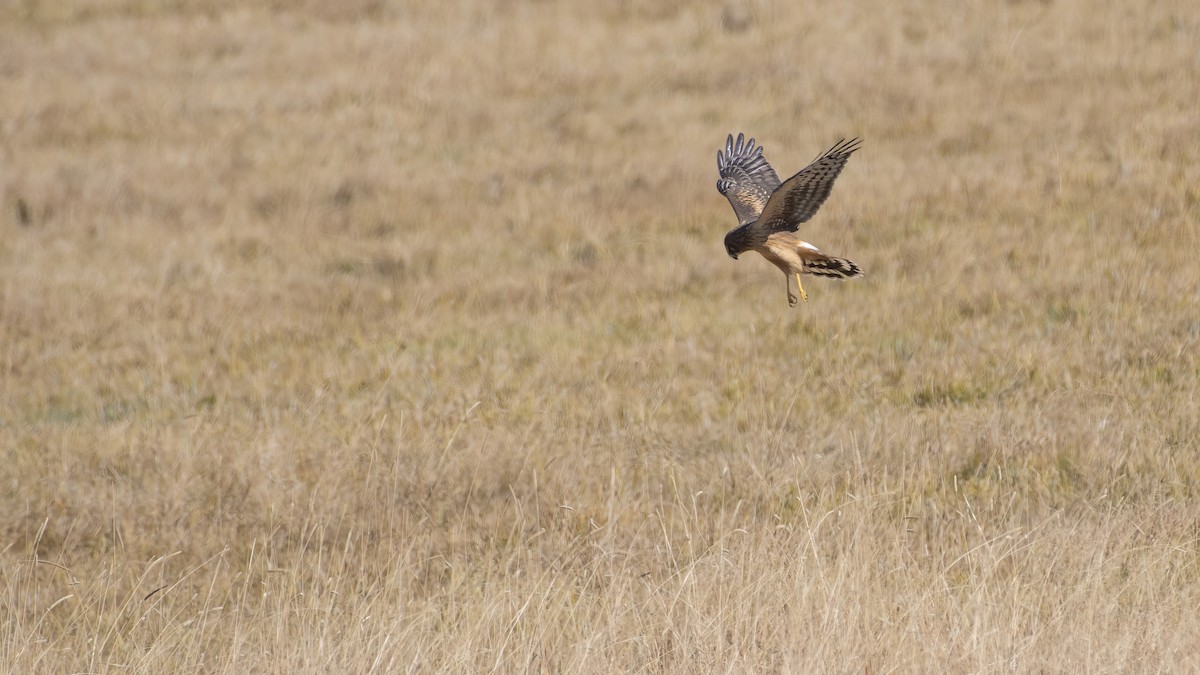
point(822, 265)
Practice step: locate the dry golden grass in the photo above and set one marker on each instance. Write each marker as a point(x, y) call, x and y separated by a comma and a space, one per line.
point(399, 336)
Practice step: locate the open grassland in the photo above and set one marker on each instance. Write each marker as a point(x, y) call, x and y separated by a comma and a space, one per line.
point(377, 336)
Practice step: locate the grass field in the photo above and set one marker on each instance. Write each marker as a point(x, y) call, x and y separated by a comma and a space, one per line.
point(381, 336)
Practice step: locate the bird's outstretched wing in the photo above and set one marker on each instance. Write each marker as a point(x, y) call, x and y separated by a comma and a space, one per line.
point(747, 179)
point(801, 195)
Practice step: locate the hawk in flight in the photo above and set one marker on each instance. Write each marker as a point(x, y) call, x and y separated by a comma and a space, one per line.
point(769, 212)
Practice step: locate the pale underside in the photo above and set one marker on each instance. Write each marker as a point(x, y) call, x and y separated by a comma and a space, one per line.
point(788, 252)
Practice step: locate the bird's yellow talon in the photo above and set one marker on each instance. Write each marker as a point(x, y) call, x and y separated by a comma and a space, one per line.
point(803, 293)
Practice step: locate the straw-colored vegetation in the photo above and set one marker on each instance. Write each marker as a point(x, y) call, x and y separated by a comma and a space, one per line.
point(384, 336)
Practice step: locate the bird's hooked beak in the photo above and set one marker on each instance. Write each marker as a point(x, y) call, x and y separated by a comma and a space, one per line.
point(733, 255)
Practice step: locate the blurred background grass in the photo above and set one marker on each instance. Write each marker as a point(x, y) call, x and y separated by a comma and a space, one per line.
point(378, 335)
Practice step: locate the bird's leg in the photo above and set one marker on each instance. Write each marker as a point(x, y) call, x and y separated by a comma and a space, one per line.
point(803, 295)
point(787, 280)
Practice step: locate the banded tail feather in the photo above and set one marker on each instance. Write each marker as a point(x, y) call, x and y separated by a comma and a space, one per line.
point(822, 265)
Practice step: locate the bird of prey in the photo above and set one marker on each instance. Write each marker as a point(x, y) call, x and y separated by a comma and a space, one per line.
point(769, 212)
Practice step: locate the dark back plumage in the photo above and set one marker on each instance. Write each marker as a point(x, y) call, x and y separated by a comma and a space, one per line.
point(747, 179)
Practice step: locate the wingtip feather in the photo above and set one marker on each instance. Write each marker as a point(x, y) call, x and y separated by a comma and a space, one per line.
point(741, 147)
point(842, 148)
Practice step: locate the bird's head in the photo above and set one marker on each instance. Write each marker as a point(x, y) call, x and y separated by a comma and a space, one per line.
point(733, 244)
